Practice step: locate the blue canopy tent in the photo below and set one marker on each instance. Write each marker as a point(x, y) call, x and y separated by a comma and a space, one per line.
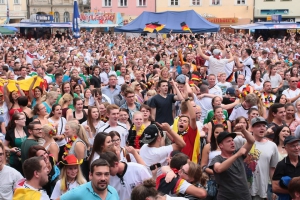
point(171, 20)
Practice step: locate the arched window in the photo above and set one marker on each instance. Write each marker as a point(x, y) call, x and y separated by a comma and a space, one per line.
point(56, 17)
point(66, 16)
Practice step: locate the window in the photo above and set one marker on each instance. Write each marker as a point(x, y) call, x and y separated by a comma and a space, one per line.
point(66, 16)
point(122, 3)
point(56, 17)
point(174, 2)
point(141, 2)
point(1, 1)
point(106, 3)
point(16, 1)
point(195, 2)
point(215, 2)
point(241, 2)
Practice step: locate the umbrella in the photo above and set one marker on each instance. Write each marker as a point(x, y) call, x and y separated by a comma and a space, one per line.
point(5, 31)
point(76, 19)
point(11, 28)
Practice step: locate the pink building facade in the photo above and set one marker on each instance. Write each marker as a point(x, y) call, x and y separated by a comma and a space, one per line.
point(130, 8)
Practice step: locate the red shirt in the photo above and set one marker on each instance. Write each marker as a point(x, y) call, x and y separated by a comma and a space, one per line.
point(189, 139)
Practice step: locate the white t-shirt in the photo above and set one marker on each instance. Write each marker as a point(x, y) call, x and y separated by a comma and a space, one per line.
point(229, 68)
point(205, 104)
point(120, 128)
point(104, 76)
point(8, 176)
point(216, 66)
point(57, 192)
point(60, 130)
point(30, 56)
point(153, 155)
point(238, 111)
point(248, 62)
point(98, 126)
point(215, 90)
point(291, 93)
point(275, 80)
point(257, 87)
point(134, 175)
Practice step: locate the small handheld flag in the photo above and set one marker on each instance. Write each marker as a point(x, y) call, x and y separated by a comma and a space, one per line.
point(185, 27)
point(150, 27)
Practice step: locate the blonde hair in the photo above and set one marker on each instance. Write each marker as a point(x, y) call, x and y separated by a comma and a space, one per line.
point(47, 129)
point(80, 131)
point(65, 98)
point(51, 94)
point(133, 85)
point(63, 178)
point(164, 69)
point(151, 93)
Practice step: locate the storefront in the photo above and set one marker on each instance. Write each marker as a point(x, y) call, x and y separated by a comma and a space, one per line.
point(226, 23)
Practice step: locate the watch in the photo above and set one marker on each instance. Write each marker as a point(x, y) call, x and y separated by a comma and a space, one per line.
point(187, 99)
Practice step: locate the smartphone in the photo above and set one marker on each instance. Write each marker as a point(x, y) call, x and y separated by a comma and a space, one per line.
point(153, 167)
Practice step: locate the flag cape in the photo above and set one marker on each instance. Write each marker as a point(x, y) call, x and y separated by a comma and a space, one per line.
point(150, 27)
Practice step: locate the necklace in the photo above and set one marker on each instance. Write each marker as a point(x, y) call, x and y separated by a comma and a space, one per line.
point(22, 138)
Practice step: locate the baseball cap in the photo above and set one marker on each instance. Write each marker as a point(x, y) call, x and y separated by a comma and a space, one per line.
point(290, 139)
point(216, 52)
point(224, 135)
point(258, 120)
point(180, 79)
point(150, 134)
point(230, 91)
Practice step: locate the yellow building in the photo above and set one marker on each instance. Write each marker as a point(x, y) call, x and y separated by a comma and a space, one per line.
point(288, 9)
point(17, 10)
point(223, 12)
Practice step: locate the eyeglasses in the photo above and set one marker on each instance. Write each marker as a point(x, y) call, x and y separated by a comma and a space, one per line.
point(42, 108)
point(117, 140)
point(294, 81)
point(182, 170)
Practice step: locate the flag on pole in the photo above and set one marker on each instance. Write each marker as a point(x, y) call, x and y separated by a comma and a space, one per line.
point(7, 13)
point(185, 27)
point(76, 20)
point(150, 27)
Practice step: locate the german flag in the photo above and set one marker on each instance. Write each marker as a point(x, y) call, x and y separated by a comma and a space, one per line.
point(185, 27)
point(150, 27)
point(230, 77)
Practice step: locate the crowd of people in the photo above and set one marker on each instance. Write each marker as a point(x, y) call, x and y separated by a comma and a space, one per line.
point(180, 116)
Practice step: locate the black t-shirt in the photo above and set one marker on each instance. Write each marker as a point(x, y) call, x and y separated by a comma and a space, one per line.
point(286, 168)
point(95, 81)
point(163, 108)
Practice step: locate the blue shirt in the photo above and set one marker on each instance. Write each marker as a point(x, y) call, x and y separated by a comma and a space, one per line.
point(86, 191)
point(47, 107)
point(111, 93)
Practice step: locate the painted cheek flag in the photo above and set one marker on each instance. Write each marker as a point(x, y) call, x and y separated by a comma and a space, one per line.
point(185, 27)
point(150, 27)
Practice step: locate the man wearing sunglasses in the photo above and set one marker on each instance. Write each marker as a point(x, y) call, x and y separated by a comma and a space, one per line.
point(292, 93)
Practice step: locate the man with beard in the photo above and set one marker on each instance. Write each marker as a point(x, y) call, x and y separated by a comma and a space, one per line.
point(267, 97)
point(36, 173)
point(97, 188)
point(35, 131)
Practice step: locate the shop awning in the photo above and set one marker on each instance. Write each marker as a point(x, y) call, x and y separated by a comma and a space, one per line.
point(268, 25)
point(41, 25)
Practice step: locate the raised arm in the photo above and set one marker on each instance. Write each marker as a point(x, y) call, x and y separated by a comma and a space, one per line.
point(6, 95)
point(178, 141)
point(31, 95)
point(201, 52)
point(248, 136)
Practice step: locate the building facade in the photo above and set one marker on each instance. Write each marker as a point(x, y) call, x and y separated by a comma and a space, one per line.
point(288, 9)
point(17, 10)
point(62, 10)
point(222, 12)
point(129, 8)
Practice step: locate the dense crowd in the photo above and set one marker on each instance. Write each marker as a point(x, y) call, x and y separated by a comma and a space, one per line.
point(180, 116)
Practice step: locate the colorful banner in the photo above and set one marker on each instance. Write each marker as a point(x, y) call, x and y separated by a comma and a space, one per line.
point(101, 18)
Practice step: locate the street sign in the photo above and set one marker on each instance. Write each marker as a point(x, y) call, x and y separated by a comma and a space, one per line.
point(44, 18)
